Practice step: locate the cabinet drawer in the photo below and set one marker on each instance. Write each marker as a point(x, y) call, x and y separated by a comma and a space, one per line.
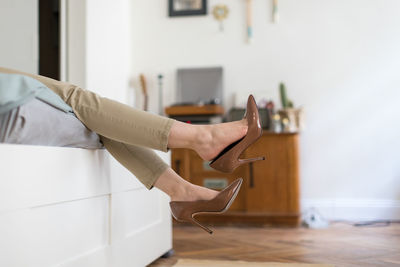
point(274, 185)
point(200, 166)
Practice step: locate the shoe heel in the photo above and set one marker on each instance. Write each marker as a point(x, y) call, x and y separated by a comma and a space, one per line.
point(195, 222)
point(244, 161)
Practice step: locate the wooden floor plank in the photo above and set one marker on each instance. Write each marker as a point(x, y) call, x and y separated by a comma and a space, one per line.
point(340, 244)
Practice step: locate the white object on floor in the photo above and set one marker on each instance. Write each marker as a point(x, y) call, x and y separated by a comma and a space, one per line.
point(75, 207)
point(313, 219)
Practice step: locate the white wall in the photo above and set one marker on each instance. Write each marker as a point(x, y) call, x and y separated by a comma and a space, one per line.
point(98, 52)
point(340, 59)
point(108, 47)
point(73, 42)
point(19, 35)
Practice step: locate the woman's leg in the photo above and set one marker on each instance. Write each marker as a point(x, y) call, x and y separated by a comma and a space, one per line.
point(110, 118)
point(127, 125)
point(142, 162)
point(125, 131)
point(207, 140)
point(153, 171)
point(181, 190)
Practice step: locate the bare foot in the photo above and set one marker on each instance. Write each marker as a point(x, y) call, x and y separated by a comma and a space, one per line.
point(181, 190)
point(212, 139)
point(194, 192)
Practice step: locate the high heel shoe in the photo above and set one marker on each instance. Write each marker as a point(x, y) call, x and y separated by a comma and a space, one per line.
point(228, 160)
point(184, 211)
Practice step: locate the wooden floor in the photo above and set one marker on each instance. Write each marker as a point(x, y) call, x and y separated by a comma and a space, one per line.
point(341, 244)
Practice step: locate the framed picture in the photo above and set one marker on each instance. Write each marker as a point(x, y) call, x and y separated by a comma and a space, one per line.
point(187, 7)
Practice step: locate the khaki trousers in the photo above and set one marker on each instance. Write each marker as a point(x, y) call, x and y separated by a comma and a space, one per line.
point(127, 133)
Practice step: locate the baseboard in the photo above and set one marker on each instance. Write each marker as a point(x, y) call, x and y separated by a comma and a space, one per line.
point(354, 209)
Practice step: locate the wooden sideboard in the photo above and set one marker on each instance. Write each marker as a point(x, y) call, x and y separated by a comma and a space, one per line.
point(270, 190)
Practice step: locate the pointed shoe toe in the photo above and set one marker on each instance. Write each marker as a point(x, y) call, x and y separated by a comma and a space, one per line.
point(184, 211)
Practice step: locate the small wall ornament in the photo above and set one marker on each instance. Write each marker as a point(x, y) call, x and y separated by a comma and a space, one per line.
point(220, 13)
point(249, 20)
point(275, 14)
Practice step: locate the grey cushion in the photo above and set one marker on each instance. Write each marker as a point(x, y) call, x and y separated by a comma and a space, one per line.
point(38, 123)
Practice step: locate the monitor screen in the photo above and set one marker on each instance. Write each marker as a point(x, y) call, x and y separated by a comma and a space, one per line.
point(200, 85)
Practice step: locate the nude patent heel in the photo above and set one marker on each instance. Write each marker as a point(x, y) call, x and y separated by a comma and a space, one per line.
point(244, 161)
point(228, 160)
point(184, 211)
point(205, 228)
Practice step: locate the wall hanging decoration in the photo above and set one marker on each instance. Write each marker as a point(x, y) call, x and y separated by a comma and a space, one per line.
point(220, 13)
point(187, 7)
point(275, 14)
point(249, 20)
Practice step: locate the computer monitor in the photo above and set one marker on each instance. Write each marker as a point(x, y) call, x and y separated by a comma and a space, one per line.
point(200, 85)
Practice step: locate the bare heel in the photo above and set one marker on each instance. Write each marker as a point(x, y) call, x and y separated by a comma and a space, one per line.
point(194, 221)
point(228, 160)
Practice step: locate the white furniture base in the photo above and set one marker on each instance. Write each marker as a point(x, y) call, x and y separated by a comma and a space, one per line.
point(77, 208)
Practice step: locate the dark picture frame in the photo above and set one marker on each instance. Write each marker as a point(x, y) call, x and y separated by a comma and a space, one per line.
point(175, 10)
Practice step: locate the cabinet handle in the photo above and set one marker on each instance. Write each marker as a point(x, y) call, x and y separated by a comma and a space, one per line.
point(251, 172)
point(178, 166)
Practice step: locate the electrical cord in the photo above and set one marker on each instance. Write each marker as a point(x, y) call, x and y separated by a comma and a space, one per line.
point(372, 223)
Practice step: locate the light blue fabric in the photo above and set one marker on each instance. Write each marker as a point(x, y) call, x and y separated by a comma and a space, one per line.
point(16, 90)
